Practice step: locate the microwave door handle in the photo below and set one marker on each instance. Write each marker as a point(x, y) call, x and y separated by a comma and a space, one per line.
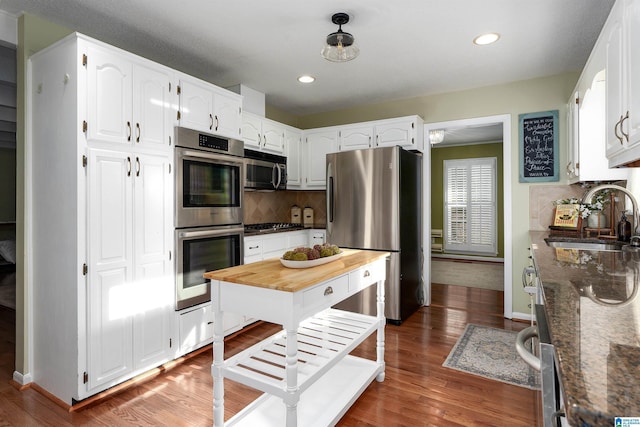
point(279, 175)
point(273, 176)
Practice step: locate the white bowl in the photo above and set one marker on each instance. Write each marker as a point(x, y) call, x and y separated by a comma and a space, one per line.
point(312, 263)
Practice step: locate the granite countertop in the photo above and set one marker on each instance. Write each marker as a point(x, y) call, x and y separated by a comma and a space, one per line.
point(593, 314)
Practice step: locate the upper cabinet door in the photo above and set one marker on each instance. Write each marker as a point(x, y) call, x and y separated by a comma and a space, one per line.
point(632, 24)
point(196, 106)
point(251, 131)
point(613, 89)
point(227, 114)
point(318, 145)
point(151, 107)
point(207, 108)
point(293, 147)
point(356, 137)
point(272, 137)
point(109, 83)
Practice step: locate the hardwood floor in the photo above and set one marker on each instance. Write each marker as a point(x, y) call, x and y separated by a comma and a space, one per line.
point(417, 390)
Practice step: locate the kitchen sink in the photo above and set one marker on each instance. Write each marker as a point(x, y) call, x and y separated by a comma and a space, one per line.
point(585, 244)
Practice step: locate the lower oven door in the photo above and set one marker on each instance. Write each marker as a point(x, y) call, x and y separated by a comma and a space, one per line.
point(200, 250)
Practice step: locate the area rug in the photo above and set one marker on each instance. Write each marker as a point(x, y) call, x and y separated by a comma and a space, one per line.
point(491, 353)
point(485, 275)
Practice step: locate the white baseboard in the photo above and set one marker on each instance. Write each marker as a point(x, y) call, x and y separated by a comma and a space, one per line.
point(522, 316)
point(468, 257)
point(22, 379)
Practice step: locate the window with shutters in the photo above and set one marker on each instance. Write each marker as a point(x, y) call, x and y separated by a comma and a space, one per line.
point(470, 206)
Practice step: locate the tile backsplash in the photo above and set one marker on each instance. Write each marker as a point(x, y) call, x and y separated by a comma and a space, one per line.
point(275, 206)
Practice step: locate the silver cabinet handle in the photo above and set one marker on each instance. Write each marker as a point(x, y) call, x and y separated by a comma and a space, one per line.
point(217, 122)
point(128, 166)
point(254, 247)
point(367, 273)
point(137, 132)
point(211, 121)
point(128, 131)
point(615, 130)
point(137, 166)
point(625, 135)
point(328, 291)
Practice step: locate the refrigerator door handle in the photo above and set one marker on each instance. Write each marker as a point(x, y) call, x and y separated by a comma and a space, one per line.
point(330, 198)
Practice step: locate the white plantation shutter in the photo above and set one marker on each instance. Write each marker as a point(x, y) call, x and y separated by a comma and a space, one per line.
point(470, 206)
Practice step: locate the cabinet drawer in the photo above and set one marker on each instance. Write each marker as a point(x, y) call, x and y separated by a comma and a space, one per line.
point(276, 243)
point(363, 277)
point(326, 294)
point(252, 247)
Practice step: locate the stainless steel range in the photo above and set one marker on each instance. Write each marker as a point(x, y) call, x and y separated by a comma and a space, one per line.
point(270, 227)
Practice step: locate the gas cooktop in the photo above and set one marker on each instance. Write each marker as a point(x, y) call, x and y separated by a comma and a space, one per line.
point(270, 227)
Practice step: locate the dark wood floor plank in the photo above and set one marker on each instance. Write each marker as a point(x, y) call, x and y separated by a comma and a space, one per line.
point(417, 390)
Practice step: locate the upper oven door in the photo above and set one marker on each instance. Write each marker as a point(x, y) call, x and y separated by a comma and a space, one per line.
point(208, 188)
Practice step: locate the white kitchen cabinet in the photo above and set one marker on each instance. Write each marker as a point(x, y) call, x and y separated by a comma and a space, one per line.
point(262, 134)
point(621, 35)
point(293, 147)
point(586, 116)
point(297, 239)
point(128, 101)
point(196, 327)
point(208, 108)
point(102, 223)
point(355, 137)
point(273, 245)
point(318, 143)
point(407, 132)
point(317, 237)
point(129, 218)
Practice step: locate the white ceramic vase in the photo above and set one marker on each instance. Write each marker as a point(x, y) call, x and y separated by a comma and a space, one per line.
point(592, 220)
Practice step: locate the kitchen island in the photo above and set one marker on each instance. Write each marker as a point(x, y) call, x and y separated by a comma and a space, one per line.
point(593, 313)
point(305, 371)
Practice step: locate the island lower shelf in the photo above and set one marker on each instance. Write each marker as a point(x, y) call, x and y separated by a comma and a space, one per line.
point(322, 340)
point(322, 404)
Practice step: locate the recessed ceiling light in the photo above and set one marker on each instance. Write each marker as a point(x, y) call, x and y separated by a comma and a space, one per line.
point(306, 79)
point(486, 38)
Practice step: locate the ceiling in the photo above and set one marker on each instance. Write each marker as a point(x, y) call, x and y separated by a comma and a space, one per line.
point(408, 48)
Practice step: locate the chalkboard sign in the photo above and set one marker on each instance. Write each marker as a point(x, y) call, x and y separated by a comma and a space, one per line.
point(539, 155)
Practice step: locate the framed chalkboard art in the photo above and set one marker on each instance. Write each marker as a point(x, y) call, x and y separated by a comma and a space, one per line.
point(539, 153)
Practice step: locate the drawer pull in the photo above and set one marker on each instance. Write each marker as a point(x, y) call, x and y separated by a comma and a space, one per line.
point(254, 247)
point(328, 291)
point(366, 273)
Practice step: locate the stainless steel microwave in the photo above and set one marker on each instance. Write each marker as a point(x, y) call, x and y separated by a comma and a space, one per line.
point(265, 171)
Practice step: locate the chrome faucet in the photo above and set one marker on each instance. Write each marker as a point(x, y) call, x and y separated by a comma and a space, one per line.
point(586, 199)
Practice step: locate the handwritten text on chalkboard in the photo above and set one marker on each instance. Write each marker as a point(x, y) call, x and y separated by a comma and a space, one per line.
point(538, 147)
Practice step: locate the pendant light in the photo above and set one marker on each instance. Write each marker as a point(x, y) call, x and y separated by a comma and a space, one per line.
point(340, 47)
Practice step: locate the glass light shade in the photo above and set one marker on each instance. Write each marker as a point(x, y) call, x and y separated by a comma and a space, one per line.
point(436, 136)
point(340, 47)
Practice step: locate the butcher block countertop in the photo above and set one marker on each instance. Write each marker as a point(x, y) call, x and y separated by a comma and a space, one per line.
point(271, 274)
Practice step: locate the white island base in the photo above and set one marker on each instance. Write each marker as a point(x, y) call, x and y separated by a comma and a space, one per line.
point(305, 371)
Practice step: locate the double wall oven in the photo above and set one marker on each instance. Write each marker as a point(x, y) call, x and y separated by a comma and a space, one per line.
point(209, 176)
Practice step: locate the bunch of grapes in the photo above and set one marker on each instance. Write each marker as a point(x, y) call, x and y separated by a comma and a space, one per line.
point(308, 254)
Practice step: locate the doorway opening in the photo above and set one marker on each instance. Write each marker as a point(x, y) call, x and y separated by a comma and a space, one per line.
point(469, 138)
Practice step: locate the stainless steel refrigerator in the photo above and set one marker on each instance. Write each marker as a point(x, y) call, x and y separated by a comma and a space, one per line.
point(374, 201)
